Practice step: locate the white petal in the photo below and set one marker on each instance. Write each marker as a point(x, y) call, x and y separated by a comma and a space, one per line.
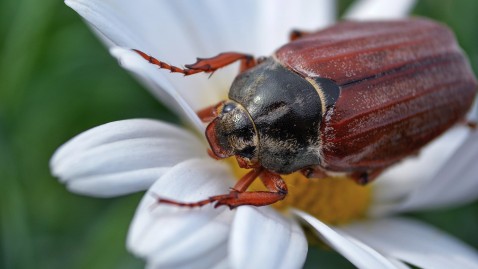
point(455, 183)
point(379, 9)
point(444, 174)
point(272, 26)
point(473, 114)
point(397, 263)
point(414, 243)
point(182, 99)
point(173, 237)
point(360, 255)
point(186, 29)
point(123, 157)
point(179, 31)
point(261, 238)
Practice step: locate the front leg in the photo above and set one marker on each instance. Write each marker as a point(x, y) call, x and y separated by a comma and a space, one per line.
point(276, 186)
point(277, 190)
point(206, 65)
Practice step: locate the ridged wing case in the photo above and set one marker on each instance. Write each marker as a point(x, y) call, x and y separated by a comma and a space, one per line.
point(402, 83)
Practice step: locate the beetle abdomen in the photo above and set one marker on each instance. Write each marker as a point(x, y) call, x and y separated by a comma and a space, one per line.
point(378, 122)
point(402, 84)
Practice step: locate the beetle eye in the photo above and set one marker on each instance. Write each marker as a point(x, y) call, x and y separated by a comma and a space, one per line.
point(228, 107)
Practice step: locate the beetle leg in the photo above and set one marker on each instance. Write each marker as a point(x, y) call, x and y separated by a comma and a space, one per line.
point(163, 65)
point(296, 34)
point(206, 65)
point(209, 113)
point(247, 164)
point(209, 65)
point(277, 190)
point(472, 125)
point(241, 186)
point(246, 180)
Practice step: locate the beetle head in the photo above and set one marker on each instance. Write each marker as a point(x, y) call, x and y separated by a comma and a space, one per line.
point(232, 132)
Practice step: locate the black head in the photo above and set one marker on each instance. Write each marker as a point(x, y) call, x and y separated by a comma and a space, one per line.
point(233, 132)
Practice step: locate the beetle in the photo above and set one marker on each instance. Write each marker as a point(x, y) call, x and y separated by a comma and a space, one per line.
point(351, 99)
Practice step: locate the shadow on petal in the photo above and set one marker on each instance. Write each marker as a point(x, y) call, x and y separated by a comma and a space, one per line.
point(262, 238)
point(360, 255)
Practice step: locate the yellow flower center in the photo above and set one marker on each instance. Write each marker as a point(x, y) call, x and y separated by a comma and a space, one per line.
point(332, 200)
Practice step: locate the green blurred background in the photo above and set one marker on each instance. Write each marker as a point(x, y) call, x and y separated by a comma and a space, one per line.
point(57, 80)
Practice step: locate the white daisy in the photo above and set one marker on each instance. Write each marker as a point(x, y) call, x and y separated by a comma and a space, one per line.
point(133, 155)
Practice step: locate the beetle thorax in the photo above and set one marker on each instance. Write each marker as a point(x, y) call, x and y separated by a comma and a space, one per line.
point(285, 110)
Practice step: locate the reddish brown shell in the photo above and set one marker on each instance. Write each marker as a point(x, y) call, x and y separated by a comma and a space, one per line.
point(402, 84)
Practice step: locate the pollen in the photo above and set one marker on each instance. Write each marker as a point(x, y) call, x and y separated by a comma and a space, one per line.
point(336, 200)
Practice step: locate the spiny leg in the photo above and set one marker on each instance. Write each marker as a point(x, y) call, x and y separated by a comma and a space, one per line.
point(240, 186)
point(206, 65)
point(223, 59)
point(273, 182)
point(239, 196)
